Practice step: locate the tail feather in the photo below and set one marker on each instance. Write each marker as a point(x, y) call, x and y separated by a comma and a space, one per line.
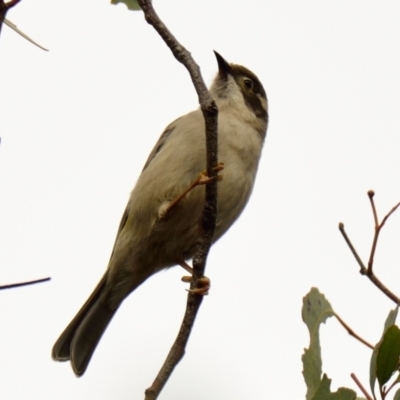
point(62, 348)
point(80, 338)
point(88, 335)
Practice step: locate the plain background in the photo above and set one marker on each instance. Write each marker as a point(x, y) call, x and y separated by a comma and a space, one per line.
point(76, 126)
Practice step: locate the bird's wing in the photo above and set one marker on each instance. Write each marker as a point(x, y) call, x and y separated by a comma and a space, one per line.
point(121, 226)
point(160, 143)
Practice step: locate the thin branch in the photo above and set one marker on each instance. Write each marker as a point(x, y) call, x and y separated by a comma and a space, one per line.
point(352, 333)
point(389, 214)
point(392, 386)
point(374, 279)
point(208, 220)
point(361, 387)
point(4, 8)
point(371, 195)
point(378, 228)
point(25, 36)
point(182, 55)
point(14, 285)
point(363, 270)
point(368, 271)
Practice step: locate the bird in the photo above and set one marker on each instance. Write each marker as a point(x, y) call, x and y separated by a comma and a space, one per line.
point(160, 225)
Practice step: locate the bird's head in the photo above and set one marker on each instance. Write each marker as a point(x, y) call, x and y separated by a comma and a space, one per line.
point(239, 89)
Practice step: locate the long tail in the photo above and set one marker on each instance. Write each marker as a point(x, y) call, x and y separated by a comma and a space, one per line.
point(79, 340)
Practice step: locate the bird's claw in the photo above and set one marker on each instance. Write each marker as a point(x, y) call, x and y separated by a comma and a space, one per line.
point(204, 287)
point(203, 177)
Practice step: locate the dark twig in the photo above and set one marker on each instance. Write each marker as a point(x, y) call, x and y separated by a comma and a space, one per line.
point(373, 278)
point(208, 219)
point(361, 387)
point(14, 285)
point(352, 333)
point(4, 8)
point(371, 195)
point(378, 227)
point(389, 214)
point(363, 270)
point(387, 390)
point(368, 271)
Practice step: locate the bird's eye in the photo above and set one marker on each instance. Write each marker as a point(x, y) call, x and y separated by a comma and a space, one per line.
point(248, 83)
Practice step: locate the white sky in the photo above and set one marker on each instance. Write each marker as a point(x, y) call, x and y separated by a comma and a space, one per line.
point(77, 124)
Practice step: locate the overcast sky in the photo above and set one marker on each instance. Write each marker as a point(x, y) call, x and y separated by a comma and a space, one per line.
point(76, 126)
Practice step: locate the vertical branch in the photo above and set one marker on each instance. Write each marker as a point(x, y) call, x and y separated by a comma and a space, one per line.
point(377, 228)
point(208, 220)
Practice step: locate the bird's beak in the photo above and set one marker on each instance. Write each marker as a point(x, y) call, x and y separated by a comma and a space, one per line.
point(223, 65)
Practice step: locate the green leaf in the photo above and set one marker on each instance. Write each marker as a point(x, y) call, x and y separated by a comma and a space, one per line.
point(391, 318)
point(324, 392)
point(387, 360)
point(390, 321)
point(131, 4)
point(372, 370)
point(316, 309)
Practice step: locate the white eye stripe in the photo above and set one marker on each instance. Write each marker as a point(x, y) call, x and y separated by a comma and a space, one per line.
point(263, 101)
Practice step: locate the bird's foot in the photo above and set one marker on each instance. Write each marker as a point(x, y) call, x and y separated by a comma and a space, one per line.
point(203, 177)
point(204, 283)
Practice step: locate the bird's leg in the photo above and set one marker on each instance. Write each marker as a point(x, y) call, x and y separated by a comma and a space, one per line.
point(204, 281)
point(202, 179)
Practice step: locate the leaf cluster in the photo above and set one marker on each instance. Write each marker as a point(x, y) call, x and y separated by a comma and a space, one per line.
point(384, 365)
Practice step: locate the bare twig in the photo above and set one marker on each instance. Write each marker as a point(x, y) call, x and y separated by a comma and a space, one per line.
point(352, 333)
point(387, 390)
point(363, 270)
point(368, 271)
point(361, 387)
point(210, 112)
point(25, 36)
point(389, 214)
point(373, 278)
point(378, 227)
point(14, 285)
point(4, 8)
point(371, 195)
